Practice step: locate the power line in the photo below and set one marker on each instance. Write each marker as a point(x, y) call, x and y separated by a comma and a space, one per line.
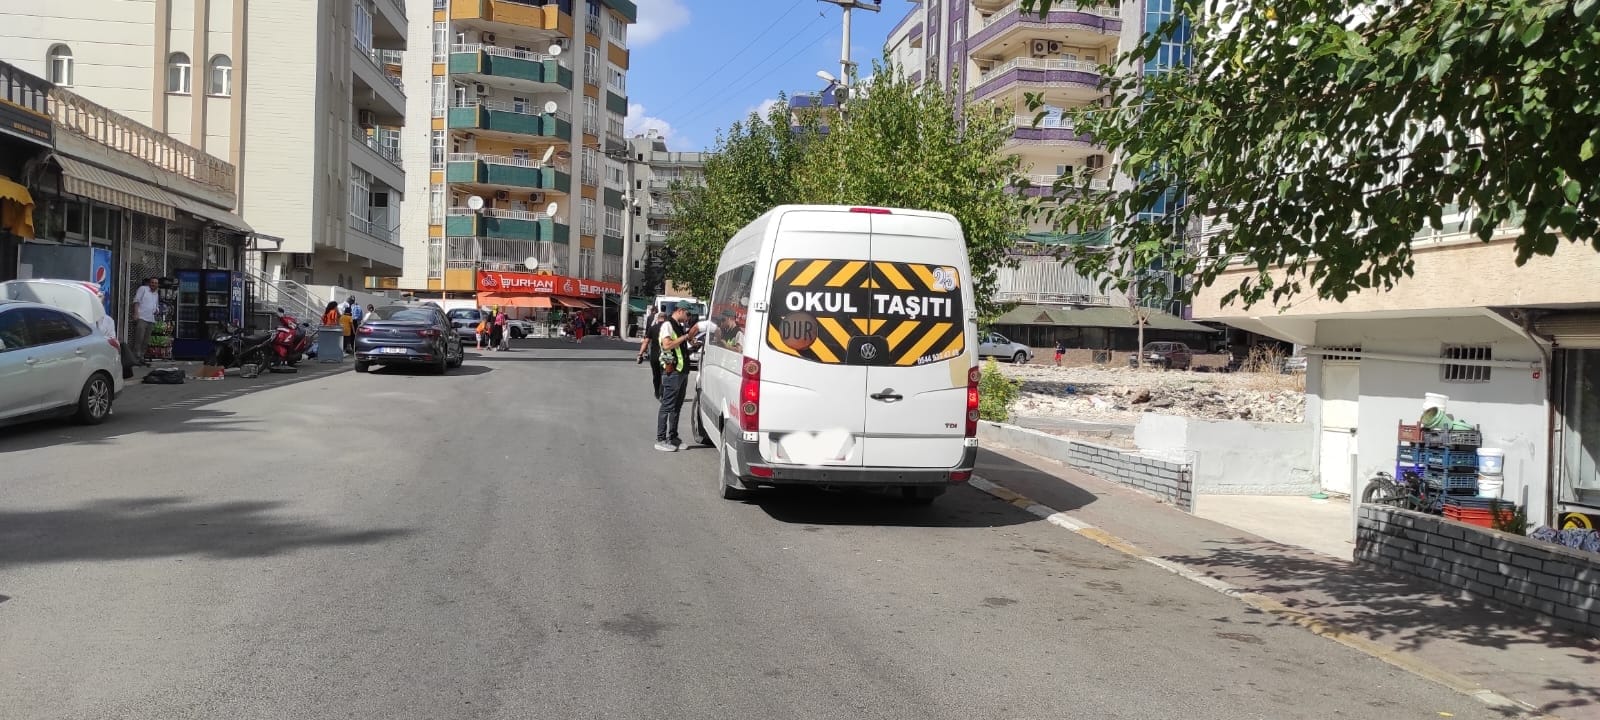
point(813, 43)
point(729, 62)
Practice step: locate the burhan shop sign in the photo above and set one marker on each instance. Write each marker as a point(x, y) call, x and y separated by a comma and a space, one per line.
point(533, 284)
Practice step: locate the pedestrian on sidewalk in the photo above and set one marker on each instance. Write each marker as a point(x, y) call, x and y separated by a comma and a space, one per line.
point(146, 303)
point(496, 328)
point(1061, 349)
point(674, 376)
point(347, 323)
point(578, 326)
point(330, 314)
point(357, 313)
point(480, 331)
point(650, 350)
point(504, 323)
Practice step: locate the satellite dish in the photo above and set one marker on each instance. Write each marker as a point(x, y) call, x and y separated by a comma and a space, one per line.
point(530, 262)
point(554, 50)
point(548, 152)
point(551, 107)
point(475, 202)
point(563, 155)
point(550, 210)
point(826, 76)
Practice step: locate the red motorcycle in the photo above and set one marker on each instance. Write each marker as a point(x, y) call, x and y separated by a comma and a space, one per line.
point(292, 340)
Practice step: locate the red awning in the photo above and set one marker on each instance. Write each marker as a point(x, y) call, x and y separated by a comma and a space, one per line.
point(513, 300)
point(573, 303)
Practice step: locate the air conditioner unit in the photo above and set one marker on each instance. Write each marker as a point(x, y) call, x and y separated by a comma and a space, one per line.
point(536, 198)
point(1055, 47)
point(468, 136)
point(1041, 48)
point(300, 261)
point(488, 38)
point(480, 89)
point(367, 119)
point(1097, 162)
point(502, 195)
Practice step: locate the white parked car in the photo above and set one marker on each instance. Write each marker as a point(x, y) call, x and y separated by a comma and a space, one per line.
point(999, 346)
point(843, 353)
point(54, 363)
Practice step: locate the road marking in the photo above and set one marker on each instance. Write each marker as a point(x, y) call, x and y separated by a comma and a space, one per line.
point(1265, 604)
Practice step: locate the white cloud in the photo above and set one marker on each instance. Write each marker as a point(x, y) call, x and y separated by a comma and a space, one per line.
point(763, 108)
point(656, 19)
point(638, 122)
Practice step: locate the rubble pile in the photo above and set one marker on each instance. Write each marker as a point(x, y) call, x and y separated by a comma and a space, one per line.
point(1120, 394)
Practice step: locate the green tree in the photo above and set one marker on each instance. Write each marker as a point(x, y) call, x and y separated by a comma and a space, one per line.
point(753, 167)
point(902, 144)
point(899, 145)
point(1327, 133)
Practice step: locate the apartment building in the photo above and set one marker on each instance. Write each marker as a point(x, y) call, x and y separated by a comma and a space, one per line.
point(525, 102)
point(302, 97)
point(657, 171)
point(1515, 349)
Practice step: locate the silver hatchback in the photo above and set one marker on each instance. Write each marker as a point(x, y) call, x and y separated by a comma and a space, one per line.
point(53, 363)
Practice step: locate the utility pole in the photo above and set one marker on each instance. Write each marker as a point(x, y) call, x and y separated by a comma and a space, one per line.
point(846, 67)
point(630, 201)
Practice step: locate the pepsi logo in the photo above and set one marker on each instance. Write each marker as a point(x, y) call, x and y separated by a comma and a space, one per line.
point(102, 274)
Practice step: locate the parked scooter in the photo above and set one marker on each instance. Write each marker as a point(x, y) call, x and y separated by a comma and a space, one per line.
point(292, 340)
point(232, 348)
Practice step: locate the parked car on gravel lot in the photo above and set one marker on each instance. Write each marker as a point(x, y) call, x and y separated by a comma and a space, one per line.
point(54, 363)
point(1166, 355)
point(408, 335)
point(997, 345)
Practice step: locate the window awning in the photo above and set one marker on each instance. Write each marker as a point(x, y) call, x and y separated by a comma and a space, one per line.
point(513, 300)
point(573, 303)
point(81, 178)
point(212, 213)
point(16, 214)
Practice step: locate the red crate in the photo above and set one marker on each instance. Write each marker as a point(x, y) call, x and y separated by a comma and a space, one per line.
point(1410, 433)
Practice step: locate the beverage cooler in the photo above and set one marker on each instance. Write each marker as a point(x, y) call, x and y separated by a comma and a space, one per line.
point(206, 300)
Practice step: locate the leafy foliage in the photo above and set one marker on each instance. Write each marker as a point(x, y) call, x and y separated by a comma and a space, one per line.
point(1327, 134)
point(900, 145)
point(996, 393)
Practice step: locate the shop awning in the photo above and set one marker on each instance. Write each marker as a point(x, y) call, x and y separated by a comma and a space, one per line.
point(573, 303)
point(81, 178)
point(638, 305)
point(513, 300)
point(212, 213)
point(16, 213)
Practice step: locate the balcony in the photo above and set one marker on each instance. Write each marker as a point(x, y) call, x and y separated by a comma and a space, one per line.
point(509, 68)
point(194, 172)
point(515, 16)
point(1050, 132)
point(1042, 185)
point(501, 224)
point(389, 23)
point(507, 172)
point(377, 88)
point(382, 161)
point(510, 119)
point(655, 238)
point(1063, 82)
point(1005, 31)
point(661, 210)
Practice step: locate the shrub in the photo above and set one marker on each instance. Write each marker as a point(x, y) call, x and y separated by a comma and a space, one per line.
point(996, 393)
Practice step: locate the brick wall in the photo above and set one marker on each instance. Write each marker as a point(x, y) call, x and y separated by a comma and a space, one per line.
point(1558, 584)
point(1170, 481)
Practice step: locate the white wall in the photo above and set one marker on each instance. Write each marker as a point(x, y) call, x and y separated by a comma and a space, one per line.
point(112, 42)
point(1510, 408)
point(1233, 457)
point(283, 184)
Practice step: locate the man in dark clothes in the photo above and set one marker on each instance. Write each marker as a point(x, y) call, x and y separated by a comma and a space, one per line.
point(650, 350)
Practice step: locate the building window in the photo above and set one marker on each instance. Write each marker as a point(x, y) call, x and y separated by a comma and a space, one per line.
point(221, 76)
point(519, 105)
point(436, 150)
point(61, 65)
point(361, 24)
point(179, 73)
point(619, 31)
point(360, 194)
point(586, 263)
point(436, 204)
point(591, 65)
point(616, 175)
point(614, 124)
point(586, 219)
point(439, 95)
point(591, 115)
point(441, 42)
point(619, 80)
point(1455, 373)
point(613, 221)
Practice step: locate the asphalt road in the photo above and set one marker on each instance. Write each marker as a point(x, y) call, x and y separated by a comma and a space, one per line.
point(503, 542)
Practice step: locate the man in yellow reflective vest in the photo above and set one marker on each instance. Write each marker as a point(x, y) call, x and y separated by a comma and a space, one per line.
point(674, 379)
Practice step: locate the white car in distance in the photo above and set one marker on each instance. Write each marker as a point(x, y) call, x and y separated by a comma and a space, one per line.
point(54, 363)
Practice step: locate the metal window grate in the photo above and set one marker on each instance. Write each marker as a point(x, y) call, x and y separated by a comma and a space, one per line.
point(1450, 372)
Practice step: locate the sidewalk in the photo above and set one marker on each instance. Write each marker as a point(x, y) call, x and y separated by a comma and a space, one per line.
point(140, 398)
point(1406, 622)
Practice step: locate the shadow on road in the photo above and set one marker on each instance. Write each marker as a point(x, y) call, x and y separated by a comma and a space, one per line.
point(163, 527)
point(961, 507)
point(1039, 484)
point(1386, 606)
point(466, 369)
point(48, 433)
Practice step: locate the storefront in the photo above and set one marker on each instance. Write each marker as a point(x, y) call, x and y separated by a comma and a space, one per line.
point(25, 139)
point(538, 292)
point(1576, 396)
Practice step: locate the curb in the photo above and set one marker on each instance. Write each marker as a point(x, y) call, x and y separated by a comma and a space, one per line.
point(1265, 604)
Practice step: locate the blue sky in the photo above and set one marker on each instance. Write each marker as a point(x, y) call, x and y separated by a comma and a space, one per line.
point(698, 66)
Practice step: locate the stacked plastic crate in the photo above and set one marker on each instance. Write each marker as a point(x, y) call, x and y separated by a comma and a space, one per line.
point(1439, 463)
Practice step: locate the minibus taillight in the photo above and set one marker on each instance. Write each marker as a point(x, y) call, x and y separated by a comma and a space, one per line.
point(972, 402)
point(750, 396)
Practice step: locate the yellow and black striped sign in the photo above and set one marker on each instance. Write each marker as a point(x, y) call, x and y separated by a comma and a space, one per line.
point(859, 312)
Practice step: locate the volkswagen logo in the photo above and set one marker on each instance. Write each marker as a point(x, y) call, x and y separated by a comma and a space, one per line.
point(869, 352)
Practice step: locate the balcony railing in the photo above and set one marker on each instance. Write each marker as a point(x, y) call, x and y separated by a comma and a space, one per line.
point(377, 146)
point(76, 114)
point(528, 108)
point(1108, 11)
point(503, 214)
point(371, 228)
point(1047, 181)
point(390, 72)
point(592, 25)
point(1049, 121)
point(1041, 64)
point(513, 161)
